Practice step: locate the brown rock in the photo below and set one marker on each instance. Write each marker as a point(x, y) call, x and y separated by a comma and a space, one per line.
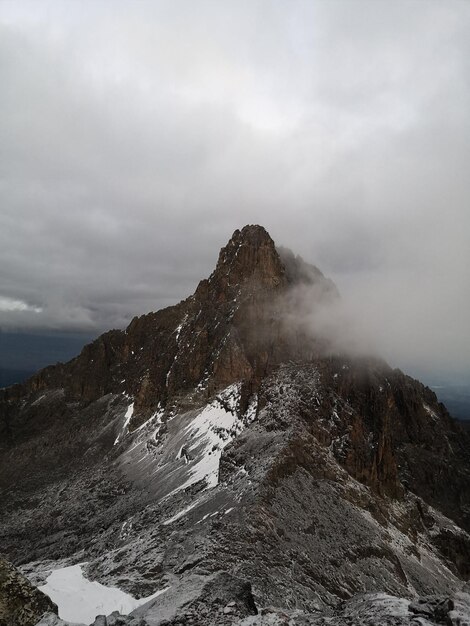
point(21, 603)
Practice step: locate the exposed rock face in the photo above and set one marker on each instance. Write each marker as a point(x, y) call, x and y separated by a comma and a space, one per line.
point(227, 331)
point(182, 344)
point(21, 604)
point(216, 447)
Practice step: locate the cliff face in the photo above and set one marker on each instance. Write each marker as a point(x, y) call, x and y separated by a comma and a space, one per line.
point(340, 465)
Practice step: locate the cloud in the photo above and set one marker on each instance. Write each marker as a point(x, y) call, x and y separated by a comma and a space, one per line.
point(9, 304)
point(135, 137)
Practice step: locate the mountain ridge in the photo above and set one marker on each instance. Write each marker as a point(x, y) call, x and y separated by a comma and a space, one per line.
point(249, 263)
point(215, 439)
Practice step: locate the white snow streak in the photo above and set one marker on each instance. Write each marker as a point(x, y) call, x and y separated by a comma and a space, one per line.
point(127, 419)
point(430, 412)
point(178, 328)
point(181, 513)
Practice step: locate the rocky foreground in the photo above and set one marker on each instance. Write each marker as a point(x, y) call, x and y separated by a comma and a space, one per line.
point(221, 458)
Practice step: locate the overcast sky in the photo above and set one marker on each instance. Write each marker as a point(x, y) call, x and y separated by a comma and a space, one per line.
point(136, 136)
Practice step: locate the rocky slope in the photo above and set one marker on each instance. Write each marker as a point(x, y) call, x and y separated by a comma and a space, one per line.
point(218, 452)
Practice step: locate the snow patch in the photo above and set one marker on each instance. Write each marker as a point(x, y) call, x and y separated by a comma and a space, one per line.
point(210, 431)
point(430, 412)
point(207, 434)
point(127, 419)
point(81, 600)
point(180, 326)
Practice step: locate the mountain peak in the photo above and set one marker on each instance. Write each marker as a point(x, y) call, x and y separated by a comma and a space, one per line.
point(252, 234)
point(249, 256)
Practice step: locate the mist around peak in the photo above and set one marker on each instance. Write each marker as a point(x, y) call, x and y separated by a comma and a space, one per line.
point(312, 307)
point(415, 320)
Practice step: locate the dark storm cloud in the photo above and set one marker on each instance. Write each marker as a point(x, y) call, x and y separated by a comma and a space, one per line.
point(135, 137)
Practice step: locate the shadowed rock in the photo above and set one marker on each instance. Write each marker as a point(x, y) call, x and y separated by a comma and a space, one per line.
point(21, 604)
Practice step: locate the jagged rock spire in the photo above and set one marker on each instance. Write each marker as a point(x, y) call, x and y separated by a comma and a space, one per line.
point(250, 255)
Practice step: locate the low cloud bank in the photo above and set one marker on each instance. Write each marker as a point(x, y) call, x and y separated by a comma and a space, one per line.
point(411, 322)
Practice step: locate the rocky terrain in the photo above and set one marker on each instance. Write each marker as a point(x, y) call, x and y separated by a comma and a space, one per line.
point(21, 602)
point(221, 461)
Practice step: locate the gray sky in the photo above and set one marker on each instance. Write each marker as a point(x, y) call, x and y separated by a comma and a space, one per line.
point(136, 136)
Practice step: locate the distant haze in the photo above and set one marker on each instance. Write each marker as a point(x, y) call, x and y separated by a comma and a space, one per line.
point(136, 136)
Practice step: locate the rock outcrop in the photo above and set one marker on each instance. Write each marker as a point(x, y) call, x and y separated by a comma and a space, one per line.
point(21, 603)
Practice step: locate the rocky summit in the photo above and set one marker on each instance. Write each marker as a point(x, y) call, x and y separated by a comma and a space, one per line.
point(220, 462)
